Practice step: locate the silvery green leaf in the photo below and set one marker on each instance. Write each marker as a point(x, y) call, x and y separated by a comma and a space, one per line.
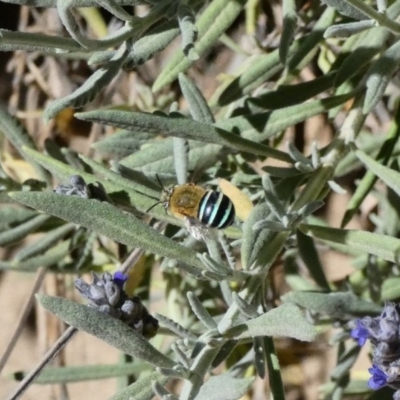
point(272, 198)
point(22, 230)
point(11, 41)
point(386, 174)
point(288, 95)
point(366, 49)
point(181, 150)
point(212, 23)
point(345, 362)
point(156, 40)
point(254, 241)
point(310, 45)
point(346, 9)
point(142, 389)
point(158, 158)
point(44, 243)
point(50, 258)
point(336, 305)
point(176, 125)
point(284, 321)
point(348, 29)
point(262, 126)
point(383, 246)
point(121, 144)
point(249, 310)
point(273, 226)
point(76, 3)
point(390, 289)
point(13, 215)
point(62, 172)
point(92, 86)
point(289, 26)
point(200, 311)
point(105, 327)
point(259, 356)
point(310, 257)
point(379, 75)
point(188, 30)
point(175, 327)
point(198, 106)
point(115, 9)
point(107, 220)
point(79, 373)
point(233, 388)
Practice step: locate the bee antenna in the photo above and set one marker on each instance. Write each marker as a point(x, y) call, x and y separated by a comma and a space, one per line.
point(155, 204)
point(160, 183)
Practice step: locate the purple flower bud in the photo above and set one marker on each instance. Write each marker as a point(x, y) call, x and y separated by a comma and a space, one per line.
point(360, 333)
point(119, 279)
point(378, 378)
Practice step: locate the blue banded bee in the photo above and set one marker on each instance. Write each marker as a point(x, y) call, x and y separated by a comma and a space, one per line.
point(209, 207)
point(198, 205)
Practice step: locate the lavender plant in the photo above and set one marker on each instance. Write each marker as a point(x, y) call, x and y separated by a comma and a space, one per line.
point(95, 210)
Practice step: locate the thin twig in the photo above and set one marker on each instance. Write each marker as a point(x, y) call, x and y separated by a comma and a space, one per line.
point(40, 274)
point(57, 347)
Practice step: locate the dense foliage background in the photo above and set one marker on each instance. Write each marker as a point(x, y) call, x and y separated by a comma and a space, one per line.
point(289, 108)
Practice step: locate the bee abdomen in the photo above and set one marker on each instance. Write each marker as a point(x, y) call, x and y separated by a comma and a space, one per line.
point(216, 210)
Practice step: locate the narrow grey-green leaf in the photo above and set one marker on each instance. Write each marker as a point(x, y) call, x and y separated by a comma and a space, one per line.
point(390, 288)
point(158, 157)
point(254, 241)
point(386, 247)
point(153, 42)
point(217, 17)
point(388, 175)
point(379, 75)
point(289, 26)
point(121, 144)
point(11, 41)
point(22, 230)
point(104, 327)
point(63, 172)
point(259, 69)
point(198, 106)
point(179, 127)
point(92, 86)
point(107, 220)
point(287, 95)
point(51, 257)
point(79, 373)
point(12, 215)
point(188, 30)
point(82, 3)
point(44, 243)
point(261, 126)
point(336, 305)
point(274, 370)
point(348, 29)
point(142, 388)
point(284, 321)
point(311, 259)
point(366, 48)
point(310, 45)
point(233, 388)
point(181, 150)
point(345, 8)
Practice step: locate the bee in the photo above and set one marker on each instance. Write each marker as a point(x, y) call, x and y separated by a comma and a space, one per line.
point(205, 207)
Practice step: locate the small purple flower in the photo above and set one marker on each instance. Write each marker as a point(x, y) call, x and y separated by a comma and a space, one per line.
point(119, 279)
point(378, 378)
point(360, 333)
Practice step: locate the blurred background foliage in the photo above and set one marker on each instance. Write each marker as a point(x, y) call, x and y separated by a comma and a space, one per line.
point(289, 108)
